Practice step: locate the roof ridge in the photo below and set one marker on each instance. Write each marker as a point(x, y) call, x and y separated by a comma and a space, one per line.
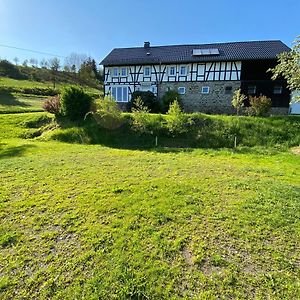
point(206, 44)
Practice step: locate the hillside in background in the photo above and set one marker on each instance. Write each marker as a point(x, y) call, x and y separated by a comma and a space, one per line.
point(24, 88)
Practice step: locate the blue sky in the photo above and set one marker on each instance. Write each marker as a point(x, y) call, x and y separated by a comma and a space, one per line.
point(95, 27)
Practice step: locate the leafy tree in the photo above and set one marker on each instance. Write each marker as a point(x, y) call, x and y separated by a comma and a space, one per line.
point(16, 60)
point(54, 65)
point(289, 66)
point(238, 100)
point(75, 103)
point(168, 98)
point(177, 121)
point(43, 64)
point(148, 98)
point(33, 62)
point(88, 71)
point(25, 63)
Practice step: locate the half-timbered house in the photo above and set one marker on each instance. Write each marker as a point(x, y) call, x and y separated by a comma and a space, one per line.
point(205, 75)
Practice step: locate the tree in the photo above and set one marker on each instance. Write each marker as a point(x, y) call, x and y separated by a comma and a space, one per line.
point(75, 103)
point(16, 60)
point(25, 63)
point(44, 64)
point(54, 65)
point(238, 100)
point(75, 60)
point(33, 62)
point(289, 66)
point(88, 71)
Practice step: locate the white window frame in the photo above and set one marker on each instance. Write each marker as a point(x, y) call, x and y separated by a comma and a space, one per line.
point(120, 93)
point(277, 90)
point(249, 88)
point(185, 71)
point(147, 68)
point(170, 68)
point(114, 72)
point(205, 88)
point(125, 74)
point(183, 91)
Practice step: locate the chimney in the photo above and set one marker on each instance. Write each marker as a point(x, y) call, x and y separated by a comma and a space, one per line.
point(146, 44)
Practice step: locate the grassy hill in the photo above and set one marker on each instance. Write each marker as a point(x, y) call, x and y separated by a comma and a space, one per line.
point(28, 96)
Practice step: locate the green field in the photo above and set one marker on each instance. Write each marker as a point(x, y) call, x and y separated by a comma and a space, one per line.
point(94, 222)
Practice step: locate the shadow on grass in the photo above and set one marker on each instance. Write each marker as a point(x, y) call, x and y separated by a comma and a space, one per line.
point(9, 151)
point(9, 99)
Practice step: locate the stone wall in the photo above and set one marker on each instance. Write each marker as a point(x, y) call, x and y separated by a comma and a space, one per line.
point(217, 101)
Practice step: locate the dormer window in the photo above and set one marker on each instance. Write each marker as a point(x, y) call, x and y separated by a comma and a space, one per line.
point(115, 72)
point(172, 71)
point(147, 71)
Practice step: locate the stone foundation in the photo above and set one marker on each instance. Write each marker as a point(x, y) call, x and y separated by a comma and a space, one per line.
point(216, 102)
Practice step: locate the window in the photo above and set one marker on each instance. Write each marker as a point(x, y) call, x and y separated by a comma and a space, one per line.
point(147, 71)
point(181, 90)
point(252, 89)
point(205, 90)
point(277, 90)
point(116, 72)
point(123, 72)
point(120, 94)
point(183, 70)
point(228, 90)
point(172, 71)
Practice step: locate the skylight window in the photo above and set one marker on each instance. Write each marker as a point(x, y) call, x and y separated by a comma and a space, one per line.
point(211, 51)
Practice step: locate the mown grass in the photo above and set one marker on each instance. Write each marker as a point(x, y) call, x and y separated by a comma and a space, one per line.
point(93, 222)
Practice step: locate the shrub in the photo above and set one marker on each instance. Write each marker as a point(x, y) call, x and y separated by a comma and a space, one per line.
point(148, 98)
point(259, 106)
point(75, 103)
point(52, 105)
point(168, 98)
point(143, 122)
point(238, 100)
point(107, 113)
point(177, 121)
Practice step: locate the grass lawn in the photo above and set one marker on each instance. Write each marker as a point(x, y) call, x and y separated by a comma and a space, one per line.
point(92, 222)
point(9, 82)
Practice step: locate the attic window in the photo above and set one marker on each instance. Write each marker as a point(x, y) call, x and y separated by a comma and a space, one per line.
point(201, 52)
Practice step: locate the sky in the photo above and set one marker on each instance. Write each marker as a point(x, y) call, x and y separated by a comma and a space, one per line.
point(91, 27)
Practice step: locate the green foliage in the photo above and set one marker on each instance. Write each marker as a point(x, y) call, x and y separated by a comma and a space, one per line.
point(75, 103)
point(107, 113)
point(7, 69)
point(142, 121)
point(238, 100)
point(168, 98)
point(260, 106)
point(177, 121)
point(148, 98)
point(52, 105)
point(289, 67)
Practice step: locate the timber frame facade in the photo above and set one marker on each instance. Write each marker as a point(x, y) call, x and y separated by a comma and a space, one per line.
point(204, 75)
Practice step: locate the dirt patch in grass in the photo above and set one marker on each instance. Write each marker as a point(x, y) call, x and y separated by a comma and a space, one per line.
point(296, 150)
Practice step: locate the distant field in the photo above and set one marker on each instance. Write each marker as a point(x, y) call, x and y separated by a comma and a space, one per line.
point(29, 84)
point(92, 222)
point(20, 102)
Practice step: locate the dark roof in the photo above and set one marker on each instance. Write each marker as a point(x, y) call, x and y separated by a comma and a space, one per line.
point(183, 53)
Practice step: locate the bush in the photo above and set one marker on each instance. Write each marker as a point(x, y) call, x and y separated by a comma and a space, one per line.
point(143, 122)
point(52, 105)
point(148, 98)
point(107, 114)
point(177, 121)
point(168, 98)
point(259, 106)
point(75, 103)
